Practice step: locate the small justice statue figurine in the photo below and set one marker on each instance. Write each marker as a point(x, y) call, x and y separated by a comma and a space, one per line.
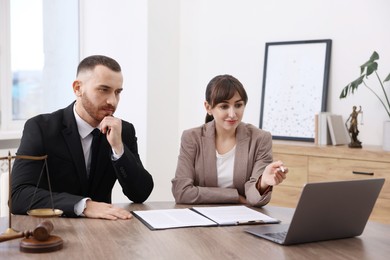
point(353, 127)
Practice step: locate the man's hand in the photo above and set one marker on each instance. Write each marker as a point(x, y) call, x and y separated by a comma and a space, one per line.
point(105, 211)
point(112, 128)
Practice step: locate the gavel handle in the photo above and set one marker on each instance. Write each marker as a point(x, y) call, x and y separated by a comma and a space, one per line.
point(41, 232)
point(17, 235)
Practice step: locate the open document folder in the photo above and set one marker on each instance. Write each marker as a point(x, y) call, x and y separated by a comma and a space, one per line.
point(201, 217)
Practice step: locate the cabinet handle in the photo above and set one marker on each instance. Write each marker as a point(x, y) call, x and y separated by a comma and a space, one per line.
point(364, 173)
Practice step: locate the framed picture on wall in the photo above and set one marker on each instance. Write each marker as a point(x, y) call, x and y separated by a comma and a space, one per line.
point(295, 86)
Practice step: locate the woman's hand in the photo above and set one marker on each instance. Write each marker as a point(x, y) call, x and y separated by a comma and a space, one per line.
point(273, 174)
point(242, 200)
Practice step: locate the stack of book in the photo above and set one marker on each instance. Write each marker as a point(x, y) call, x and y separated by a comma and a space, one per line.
point(330, 129)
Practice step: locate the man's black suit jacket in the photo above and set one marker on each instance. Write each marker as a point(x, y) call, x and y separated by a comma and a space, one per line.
point(56, 135)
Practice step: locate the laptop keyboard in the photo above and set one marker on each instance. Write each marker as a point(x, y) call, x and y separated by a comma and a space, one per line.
point(278, 235)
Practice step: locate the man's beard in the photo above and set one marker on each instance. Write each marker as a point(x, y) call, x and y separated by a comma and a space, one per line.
point(93, 110)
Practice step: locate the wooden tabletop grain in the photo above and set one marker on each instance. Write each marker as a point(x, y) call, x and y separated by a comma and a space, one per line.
point(130, 239)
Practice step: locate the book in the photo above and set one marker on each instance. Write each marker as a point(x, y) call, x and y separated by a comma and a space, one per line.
point(316, 129)
point(201, 217)
point(322, 129)
point(338, 130)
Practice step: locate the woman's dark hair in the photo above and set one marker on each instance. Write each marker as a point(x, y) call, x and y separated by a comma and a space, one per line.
point(89, 63)
point(222, 88)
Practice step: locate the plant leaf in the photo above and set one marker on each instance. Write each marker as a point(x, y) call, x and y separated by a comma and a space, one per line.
point(344, 92)
point(355, 84)
point(351, 87)
point(387, 78)
point(374, 56)
point(371, 68)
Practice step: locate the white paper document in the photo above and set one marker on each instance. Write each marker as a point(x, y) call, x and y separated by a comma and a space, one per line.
point(234, 215)
point(172, 218)
point(201, 216)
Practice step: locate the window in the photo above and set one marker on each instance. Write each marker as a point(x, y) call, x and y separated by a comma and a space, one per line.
point(39, 54)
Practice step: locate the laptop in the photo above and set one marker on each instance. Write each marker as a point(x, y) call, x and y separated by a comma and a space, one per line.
point(325, 211)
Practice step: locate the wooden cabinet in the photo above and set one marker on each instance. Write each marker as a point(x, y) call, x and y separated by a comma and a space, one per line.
point(308, 162)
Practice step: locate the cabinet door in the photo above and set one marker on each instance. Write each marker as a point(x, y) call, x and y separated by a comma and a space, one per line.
point(285, 196)
point(287, 193)
point(381, 211)
point(329, 169)
point(297, 169)
point(332, 169)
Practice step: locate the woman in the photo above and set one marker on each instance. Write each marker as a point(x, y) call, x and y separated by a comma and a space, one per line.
point(226, 160)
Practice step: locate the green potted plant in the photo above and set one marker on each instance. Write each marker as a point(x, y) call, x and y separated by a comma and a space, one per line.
point(368, 68)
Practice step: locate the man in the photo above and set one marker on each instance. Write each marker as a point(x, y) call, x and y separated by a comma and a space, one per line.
point(65, 136)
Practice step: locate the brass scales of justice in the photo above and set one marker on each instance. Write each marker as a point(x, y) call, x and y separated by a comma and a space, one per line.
point(38, 240)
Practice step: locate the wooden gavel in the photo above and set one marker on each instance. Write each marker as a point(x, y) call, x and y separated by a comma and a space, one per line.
point(40, 233)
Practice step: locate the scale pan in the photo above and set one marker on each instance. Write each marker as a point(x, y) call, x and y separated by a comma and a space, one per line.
point(45, 213)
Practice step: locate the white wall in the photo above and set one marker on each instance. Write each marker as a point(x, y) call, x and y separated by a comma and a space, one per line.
point(228, 36)
point(119, 29)
point(163, 94)
point(170, 49)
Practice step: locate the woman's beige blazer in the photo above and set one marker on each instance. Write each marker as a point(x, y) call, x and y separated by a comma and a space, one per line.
point(195, 181)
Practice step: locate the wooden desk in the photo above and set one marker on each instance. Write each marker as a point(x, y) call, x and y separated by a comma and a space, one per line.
point(104, 239)
point(308, 162)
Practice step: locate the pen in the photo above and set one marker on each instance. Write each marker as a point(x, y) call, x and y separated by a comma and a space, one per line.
point(250, 222)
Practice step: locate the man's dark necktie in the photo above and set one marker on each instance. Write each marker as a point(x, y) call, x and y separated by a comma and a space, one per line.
point(94, 151)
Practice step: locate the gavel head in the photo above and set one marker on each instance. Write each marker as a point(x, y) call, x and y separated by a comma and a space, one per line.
point(42, 231)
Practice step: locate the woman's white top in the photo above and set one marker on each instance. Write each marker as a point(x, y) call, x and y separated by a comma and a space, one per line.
point(225, 165)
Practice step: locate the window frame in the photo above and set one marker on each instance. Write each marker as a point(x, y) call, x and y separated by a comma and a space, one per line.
point(10, 128)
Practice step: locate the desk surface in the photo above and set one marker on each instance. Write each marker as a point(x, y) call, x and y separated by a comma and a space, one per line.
point(130, 239)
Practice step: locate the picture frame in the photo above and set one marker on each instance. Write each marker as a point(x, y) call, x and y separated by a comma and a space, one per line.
point(295, 87)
